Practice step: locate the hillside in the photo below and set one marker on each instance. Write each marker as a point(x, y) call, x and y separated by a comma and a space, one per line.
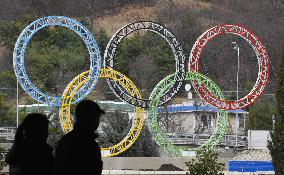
point(187, 19)
point(190, 18)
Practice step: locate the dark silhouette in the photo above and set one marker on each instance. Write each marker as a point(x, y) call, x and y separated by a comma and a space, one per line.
point(30, 154)
point(77, 151)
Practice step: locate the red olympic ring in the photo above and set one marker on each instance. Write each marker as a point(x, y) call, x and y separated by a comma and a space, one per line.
point(263, 62)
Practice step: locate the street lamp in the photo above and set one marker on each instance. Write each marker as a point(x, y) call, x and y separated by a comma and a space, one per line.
point(236, 47)
point(17, 104)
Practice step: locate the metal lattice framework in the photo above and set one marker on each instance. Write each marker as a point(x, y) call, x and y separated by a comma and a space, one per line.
point(19, 58)
point(162, 139)
point(261, 54)
point(126, 90)
point(110, 52)
point(138, 120)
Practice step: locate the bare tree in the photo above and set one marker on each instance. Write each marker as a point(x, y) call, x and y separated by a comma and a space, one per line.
point(142, 71)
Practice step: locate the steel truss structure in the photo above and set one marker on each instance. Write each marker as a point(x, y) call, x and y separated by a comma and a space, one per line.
point(110, 52)
point(126, 90)
point(137, 123)
point(19, 58)
point(263, 63)
point(160, 137)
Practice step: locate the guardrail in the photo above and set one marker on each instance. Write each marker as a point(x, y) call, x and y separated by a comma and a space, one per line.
point(179, 138)
point(199, 139)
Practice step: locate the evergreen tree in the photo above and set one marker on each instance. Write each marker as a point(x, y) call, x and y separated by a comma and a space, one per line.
point(260, 114)
point(277, 136)
point(115, 127)
point(2, 163)
point(7, 114)
point(206, 164)
point(55, 130)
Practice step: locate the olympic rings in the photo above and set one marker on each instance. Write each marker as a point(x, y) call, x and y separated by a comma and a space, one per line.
point(110, 52)
point(138, 121)
point(19, 58)
point(161, 139)
point(263, 62)
point(126, 90)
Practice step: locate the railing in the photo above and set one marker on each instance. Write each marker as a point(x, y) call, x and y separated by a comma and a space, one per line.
point(178, 138)
point(184, 138)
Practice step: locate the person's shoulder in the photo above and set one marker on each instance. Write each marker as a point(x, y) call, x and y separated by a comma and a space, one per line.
point(67, 137)
point(65, 143)
point(71, 139)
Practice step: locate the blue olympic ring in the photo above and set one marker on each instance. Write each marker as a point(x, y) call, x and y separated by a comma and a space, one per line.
point(19, 56)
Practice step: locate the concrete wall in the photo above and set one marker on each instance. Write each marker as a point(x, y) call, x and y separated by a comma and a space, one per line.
point(138, 165)
point(142, 163)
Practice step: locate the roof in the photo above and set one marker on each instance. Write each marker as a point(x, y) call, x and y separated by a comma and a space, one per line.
point(186, 108)
point(106, 105)
point(112, 106)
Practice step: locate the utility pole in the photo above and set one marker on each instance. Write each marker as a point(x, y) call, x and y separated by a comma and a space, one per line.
point(17, 104)
point(273, 122)
point(236, 47)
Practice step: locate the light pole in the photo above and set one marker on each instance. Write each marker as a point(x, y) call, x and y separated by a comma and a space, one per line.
point(236, 47)
point(273, 122)
point(17, 104)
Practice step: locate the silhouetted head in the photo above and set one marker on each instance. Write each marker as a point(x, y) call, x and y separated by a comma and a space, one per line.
point(88, 114)
point(34, 128)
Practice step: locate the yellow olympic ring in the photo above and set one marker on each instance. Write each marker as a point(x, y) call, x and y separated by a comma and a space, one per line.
point(78, 82)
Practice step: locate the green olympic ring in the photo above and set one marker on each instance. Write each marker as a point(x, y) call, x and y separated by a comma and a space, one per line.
point(161, 138)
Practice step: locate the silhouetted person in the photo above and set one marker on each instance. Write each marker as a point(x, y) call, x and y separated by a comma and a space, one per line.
point(77, 152)
point(30, 154)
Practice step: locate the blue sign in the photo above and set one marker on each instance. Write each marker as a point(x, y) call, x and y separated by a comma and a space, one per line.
point(250, 166)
